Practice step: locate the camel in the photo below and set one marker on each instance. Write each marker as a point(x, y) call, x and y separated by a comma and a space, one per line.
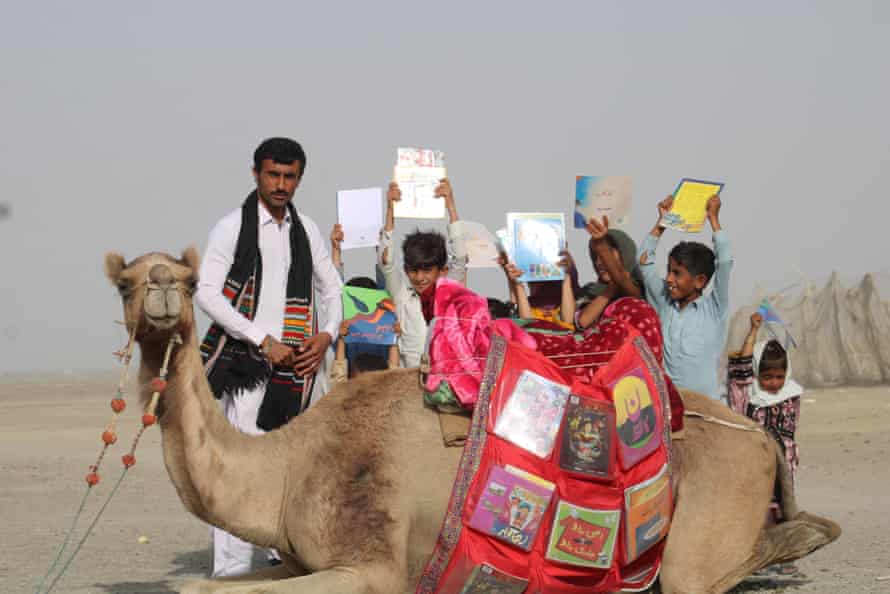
point(352, 493)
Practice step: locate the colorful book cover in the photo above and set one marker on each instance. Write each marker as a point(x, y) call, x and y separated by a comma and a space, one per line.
point(533, 413)
point(587, 437)
point(689, 211)
point(597, 196)
point(418, 172)
point(371, 315)
point(486, 579)
point(638, 419)
point(582, 536)
point(647, 514)
point(537, 240)
point(511, 507)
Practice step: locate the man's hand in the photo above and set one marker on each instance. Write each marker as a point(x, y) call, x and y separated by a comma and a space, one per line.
point(713, 211)
point(308, 358)
point(444, 191)
point(277, 353)
point(598, 230)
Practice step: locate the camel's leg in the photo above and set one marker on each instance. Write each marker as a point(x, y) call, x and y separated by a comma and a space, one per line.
point(785, 542)
point(339, 580)
point(211, 586)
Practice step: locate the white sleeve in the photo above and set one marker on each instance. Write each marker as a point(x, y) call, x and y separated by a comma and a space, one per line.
point(214, 269)
point(326, 282)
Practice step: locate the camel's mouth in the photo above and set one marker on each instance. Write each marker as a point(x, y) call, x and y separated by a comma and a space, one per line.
point(161, 322)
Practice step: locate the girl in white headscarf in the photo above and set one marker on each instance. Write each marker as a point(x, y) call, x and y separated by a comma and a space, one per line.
point(760, 387)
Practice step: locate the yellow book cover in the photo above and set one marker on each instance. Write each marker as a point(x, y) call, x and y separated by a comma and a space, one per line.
point(691, 197)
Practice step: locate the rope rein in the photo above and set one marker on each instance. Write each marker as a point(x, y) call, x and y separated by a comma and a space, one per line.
point(109, 437)
point(709, 419)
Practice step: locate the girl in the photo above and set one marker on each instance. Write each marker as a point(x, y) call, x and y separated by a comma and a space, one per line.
point(760, 387)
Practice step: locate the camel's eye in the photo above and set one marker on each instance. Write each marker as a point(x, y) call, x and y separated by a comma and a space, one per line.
point(124, 287)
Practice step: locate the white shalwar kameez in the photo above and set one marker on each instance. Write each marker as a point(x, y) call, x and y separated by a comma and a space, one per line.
point(231, 555)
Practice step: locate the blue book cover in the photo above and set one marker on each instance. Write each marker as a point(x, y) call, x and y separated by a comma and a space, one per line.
point(371, 316)
point(598, 196)
point(537, 239)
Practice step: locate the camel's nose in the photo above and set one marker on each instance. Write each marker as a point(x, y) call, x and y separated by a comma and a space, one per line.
point(160, 274)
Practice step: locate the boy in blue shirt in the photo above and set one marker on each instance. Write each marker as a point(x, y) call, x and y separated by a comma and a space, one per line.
point(693, 324)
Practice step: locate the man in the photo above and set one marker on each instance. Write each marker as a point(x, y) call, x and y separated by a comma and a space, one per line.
point(269, 286)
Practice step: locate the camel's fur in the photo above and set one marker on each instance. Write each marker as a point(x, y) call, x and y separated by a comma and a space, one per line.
point(352, 493)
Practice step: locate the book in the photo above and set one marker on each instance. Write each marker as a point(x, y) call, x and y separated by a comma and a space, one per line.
point(371, 315)
point(481, 245)
point(597, 196)
point(587, 437)
point(647, 514)
point(537, 239)
point(532, 415)
point(418, 172)
point(511, 507)
point(487, 579)
point(638, 418)
point(360, 213)
point(689, 210)
point(582, 536)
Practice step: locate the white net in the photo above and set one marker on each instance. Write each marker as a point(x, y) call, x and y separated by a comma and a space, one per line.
point(842, 334)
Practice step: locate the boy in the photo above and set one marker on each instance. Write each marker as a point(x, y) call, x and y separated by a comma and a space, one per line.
point(693, 325)
point(426, 258)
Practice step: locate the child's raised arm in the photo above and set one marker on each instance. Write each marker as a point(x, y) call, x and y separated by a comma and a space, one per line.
point(517, 290)
point(336, 251)
point(567, 301)
point(751, 338)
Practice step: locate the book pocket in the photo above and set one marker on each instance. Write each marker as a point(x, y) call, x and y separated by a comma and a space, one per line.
point(583, 541)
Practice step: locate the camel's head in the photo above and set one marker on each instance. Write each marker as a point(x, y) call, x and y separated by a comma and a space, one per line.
point(156, 290)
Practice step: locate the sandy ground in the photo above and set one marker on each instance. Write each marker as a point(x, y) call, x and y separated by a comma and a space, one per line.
point(50, 433)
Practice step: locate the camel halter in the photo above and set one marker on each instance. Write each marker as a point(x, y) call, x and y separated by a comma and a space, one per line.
point(109, 436)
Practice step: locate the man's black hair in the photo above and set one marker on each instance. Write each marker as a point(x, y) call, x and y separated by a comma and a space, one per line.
point(695, 257)
point(499, 309)
point(283, 151)
point(361, 282)
point(368, 362)
point(423, 250)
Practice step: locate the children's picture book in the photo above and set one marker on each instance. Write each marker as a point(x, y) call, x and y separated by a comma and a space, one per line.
point(689, 211)
point(587, 437)
point(582, 536)
point(597, 196)
point(537, 238)
point(531, 417)
point(360, 213)
point(371, 315)
point(487, 579)
point(638, 418)
point(647, 513)
point(481, 245)
point(418, 172)
point(511, 507)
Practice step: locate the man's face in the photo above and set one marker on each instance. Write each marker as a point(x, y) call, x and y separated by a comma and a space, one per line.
point(422, 279)
point(276, 182)
point(682, 286)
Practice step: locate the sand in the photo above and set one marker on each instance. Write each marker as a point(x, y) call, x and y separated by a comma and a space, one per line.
point(50, 433)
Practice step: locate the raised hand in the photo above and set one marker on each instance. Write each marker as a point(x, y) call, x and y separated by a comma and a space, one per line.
point(713, 211)
point(756, 321)
point(598, 230)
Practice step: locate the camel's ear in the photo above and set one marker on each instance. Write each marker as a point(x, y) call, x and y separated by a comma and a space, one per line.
point(191, 259)
point(114, 265)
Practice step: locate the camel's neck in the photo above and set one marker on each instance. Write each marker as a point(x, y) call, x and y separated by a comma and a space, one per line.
point(227, 478)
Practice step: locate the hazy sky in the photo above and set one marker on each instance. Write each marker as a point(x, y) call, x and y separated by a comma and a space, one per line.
point(130, 126)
